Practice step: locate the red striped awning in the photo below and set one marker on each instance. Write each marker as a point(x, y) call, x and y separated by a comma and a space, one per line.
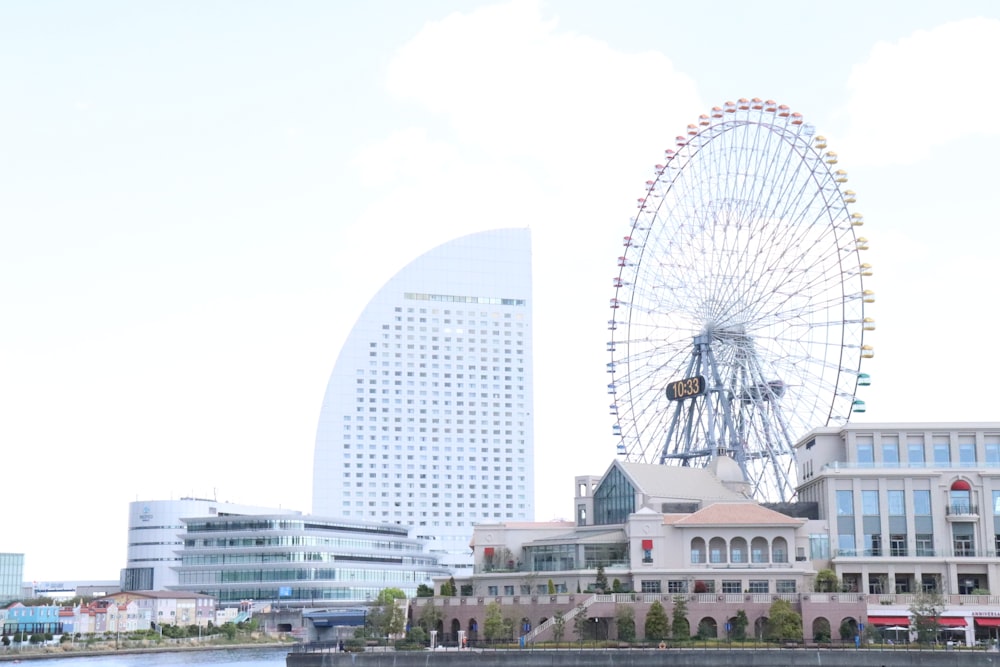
point(889, 620)
point(988, 622)
point(949, 622)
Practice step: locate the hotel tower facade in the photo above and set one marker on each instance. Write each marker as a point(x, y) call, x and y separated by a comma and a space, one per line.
point(427, 419)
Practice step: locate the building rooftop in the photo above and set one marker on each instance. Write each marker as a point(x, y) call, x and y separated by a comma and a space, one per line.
point(737, 514)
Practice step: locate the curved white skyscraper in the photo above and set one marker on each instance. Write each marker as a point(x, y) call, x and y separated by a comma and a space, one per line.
point(428, 418)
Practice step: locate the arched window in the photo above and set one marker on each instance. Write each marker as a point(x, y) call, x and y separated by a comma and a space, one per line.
point(779, 550)
point(738, 550)
point(698, 550)
point(717, 550)
point(960, 497)
point(759, 552)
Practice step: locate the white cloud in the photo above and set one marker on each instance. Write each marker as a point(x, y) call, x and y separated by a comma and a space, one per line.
point(925, 90)
point(511, 83)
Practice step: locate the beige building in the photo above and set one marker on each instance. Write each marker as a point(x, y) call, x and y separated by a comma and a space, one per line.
point(892, 509)
point(659, 533)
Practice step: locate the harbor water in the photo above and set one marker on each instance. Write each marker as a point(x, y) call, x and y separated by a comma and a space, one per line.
point(247, 657)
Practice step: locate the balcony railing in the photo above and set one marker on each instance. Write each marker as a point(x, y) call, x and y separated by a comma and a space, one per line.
point(962, 509)
point(911, 465)
point(500, 568)
point(920, 553)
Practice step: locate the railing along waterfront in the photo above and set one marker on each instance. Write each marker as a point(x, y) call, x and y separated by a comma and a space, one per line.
point(573, 599)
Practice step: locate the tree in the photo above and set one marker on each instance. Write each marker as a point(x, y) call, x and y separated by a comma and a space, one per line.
point(740, 623)
point(616, 586)
point(558, 627)
point(430, 616)
point(508, 628)
point(625, 622)
point(417, 635)
point(387, 617)
point(552, 587)
point(493, 626)
point(580, 622)
point(706, 630)
point(821, 630)
point(848, 628)
point(826, 581)
point(926, 612)
point(425, 591)
point(601, 584)
point(785, 624)
point(448, 588)
point(680, 628)
point(656, 623)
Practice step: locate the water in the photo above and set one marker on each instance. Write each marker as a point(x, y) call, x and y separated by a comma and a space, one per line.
point(248, 657)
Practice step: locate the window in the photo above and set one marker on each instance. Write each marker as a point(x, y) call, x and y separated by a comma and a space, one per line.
point(890, 452)
point(846, 545)
point(873, 544)
point(922, 502)
point(492, 590)
point(647, 586)
point(508, 590)
point(784, 586)
point(942, 454)
point(869, 503)
point(614, 499)
point(992, 451)
point(966, 453)
point(960, 498)
point(915, 452)
point(845, 503)
point(866, 454)
point(757, 586)
point(897, 503)
point(676, 586)
point(732, 586)
point(925, 544)
point(897, 545)
point(819, 546)
point(697, 556)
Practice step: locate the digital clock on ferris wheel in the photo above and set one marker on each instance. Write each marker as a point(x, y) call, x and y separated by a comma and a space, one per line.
point(686, 388)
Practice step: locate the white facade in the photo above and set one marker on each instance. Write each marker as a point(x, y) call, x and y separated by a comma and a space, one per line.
point(910, 507)
point(154, 537)
point(427, 419)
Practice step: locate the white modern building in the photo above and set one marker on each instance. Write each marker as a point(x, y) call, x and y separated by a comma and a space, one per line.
point(302, 561)
point(154, 537)
point(428, 419)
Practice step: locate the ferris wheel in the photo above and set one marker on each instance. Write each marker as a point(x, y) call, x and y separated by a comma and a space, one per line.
point(738, 316)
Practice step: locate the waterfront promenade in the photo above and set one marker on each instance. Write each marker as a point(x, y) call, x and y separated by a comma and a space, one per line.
point(687, 657)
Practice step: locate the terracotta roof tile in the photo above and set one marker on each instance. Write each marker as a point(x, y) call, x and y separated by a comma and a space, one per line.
point(738, 514)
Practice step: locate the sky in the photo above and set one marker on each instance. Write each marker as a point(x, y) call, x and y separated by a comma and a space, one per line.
point(197, 200)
